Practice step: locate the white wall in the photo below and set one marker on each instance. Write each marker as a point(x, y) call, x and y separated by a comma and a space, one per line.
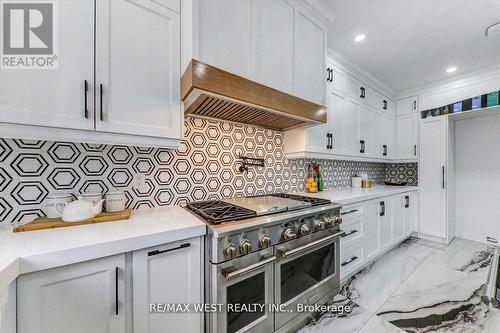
point(477, 178)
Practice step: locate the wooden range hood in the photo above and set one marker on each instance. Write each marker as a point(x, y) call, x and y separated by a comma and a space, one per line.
point(208, 91)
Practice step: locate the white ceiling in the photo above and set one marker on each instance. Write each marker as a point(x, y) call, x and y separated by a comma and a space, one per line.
point(410, 43)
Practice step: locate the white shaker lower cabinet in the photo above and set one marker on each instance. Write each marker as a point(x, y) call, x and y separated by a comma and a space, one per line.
point(79, 298)
point(436, 179)
point(372, 228)
point(170, 273)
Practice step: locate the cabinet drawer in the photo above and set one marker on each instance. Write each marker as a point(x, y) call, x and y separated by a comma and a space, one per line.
point(350, 213)
point(350, 258)
point(353, 231)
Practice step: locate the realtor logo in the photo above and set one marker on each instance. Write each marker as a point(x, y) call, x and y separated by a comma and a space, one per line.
point(29, 35)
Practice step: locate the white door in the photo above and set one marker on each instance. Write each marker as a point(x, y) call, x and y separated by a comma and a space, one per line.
point(309, 59)
point(56, 97)
point(399, 211)
point(371, 230)
point(138, 69)
point(367, 145)
point(385, 216)
point(224, 33)
point(78, 298)
point(169, 273)
point(343, 113)
point(432, 168)
point(272, 39)
point(407, 136)
point(409, 203)
point(383, 136)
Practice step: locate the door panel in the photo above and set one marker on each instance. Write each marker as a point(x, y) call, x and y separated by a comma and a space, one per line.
point(146, 101)
point(398, 217)
point(56, 97)
point(385, 215)
point(371, 229)
point(406, 137)
point(367, 125)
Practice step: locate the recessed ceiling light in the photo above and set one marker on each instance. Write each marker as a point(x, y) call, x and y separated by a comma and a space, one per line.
point(359, 37)
point(451, 69)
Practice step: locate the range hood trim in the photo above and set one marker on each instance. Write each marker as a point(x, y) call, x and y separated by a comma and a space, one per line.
point(201, 81)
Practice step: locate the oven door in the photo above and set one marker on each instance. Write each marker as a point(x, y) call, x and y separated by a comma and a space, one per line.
point(247, 280)
point(306, 271)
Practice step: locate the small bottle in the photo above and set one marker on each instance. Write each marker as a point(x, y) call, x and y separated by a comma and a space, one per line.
point(321, 183)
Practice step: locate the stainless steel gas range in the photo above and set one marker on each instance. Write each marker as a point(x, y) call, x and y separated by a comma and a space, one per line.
point(266, 255)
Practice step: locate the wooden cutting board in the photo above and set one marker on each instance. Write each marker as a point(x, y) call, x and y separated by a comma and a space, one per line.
point(41, 223)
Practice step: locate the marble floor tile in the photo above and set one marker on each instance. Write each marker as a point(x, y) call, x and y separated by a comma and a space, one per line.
point(371, 287)
point(463, 255)
point(377, 325)
point(435, 297)
point(348, 322)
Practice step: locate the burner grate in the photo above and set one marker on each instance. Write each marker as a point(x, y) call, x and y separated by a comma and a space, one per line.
point(216, 211)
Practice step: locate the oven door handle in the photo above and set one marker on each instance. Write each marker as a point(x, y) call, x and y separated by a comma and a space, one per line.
point(231, 272)
point(286, 254)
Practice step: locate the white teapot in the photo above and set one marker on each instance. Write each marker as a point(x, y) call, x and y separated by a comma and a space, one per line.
point(80, 210)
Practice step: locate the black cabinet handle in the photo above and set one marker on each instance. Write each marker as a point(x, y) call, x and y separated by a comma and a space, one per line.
point(100, 102)
point(414, 150)
point(327, 140)
point(362, 149)
point(155, 252)
point(86, 88)
point(385, 105)
point(443, 177)
point(349, 261)
point(414, 105)
point(331, 75)
point(116, 290)
point(362, 95)
point(349, 233)
point(331, 140)
point(385, 150)
point(349, 212)
point(382, 208)
point(407, 201)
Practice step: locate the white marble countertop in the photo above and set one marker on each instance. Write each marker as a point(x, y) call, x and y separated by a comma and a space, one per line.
point(345, 196)
point(26, 252)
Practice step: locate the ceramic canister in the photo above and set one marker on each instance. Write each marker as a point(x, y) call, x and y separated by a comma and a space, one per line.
point(115, 201)
point(92, 197)
point(56, 201)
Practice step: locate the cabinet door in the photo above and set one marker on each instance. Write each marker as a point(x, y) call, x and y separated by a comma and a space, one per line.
point(353, 87)
point(224, 33)
point(309, 55)
point(77, 298)
point(407, 136)
point(371, 229)
point(138, 82)
point(383, 135)
point(367, 124)
point(385, 215)
point(407, 105)
point(432, 167)
point(272, 39)
point(56, 97)
point(343, 115)
point(168, 274)
point(399, 210)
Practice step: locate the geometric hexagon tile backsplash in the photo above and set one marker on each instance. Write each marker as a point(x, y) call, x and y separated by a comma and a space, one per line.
point(204, 167)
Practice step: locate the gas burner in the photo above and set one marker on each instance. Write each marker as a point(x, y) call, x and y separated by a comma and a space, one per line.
point(311, 200)
point(216, 211)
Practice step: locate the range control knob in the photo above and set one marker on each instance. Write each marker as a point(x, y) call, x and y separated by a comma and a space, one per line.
point(304, 230)
point(245, 246)
point(289, 234)
point(264, 240)
point(320, 224)
point(230, 251)
point(337, 220)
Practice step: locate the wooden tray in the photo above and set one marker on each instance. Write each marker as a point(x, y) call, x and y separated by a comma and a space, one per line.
point(41, 223)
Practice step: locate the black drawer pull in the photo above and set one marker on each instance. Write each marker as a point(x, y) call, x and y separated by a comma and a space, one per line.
point(116, 290)
point(385, 150)
point(345, 263)
point(362, 148)
point(349, 212)
point(382, 208)
point(155, 252)
point(86, 89)
point(407, 201)
point(349, 233)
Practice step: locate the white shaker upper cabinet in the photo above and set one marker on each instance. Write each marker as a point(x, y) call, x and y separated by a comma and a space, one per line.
point(56, 97)
point(273, 41)
point(407, 136)
point(407, 105)
point(310, 59)
point(224, 34)
point(138, 68)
